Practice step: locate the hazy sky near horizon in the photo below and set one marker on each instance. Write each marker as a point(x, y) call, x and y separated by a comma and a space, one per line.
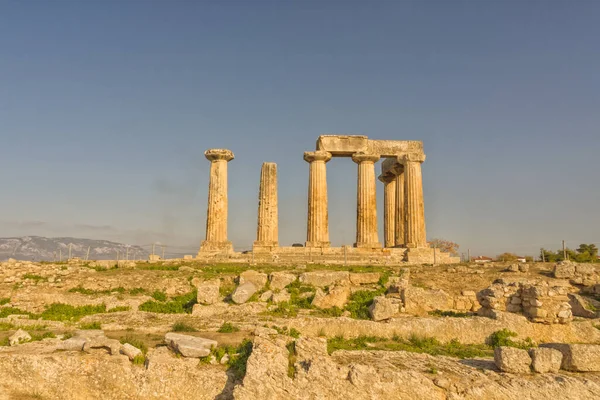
point(106, 108)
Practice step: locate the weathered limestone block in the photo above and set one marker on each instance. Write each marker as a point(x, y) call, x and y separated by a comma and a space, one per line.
point(73, 344)
point(19, 337)
point(545, 359)
point(383, 308)
point(279, 280)
point(324, 278)
point(420, 301)
point(130, 351)
point(578, 357)
point(363, 375)
point(112, 345)
point(513, 268)
point(583, 306)
point(337, 297)
point(512, 360)
point(523, 268)
point(243, 292)
point(258, 279)
point(364, 278)
point(189, 346)
point(564, 269)
point(309, 348)
point(208, 291)
point(281, 296)
point(266, 295)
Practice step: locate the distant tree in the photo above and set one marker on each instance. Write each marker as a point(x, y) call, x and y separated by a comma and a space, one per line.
point(507, 257)
point(445, 246)
point(549, 255)
point(584, 253)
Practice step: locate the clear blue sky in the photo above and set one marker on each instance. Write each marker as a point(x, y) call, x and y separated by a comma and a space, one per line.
point(106, 108)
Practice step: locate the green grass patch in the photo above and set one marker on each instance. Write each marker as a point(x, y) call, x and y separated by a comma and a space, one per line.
point(4, 342)
point(328, 312)
point(503, 338)
point(6, 311)
point(4, 300)
point(159, 296)
point(82, 290)
point(119, 309)
point(5, 326)
point(182, 327)
point(238, 360)
point(37, 336)
point(416, 344)
point(137, 291)
point(158, 267)
point(359, 302)
point(228, 328)
point(91, 325)
point(291, 347)
point(226, 290)
point(440, 313)
point(33, 277)
point(177, 305)
point(66, 312)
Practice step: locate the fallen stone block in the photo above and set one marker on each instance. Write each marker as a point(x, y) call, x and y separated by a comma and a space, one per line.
point(512, 360)
point(545, 359)
point(112, 345)
point(73, 344)
point(564, 269)
point(130, 351)
point(208, 291)
point(324, 278)
point(279, 280)
point(189, 346)
point(578, 357)
point(337, 297)
point(383, 308)
point(258, 279)
point(19, 337)
point(243, 292)
point(280, 297)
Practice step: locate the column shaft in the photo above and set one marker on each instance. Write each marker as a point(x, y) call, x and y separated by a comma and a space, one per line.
point(415, 235)
point(400, 222)
point(366, 201)
point(267, 230)
point(216, 215)
point(389, 210)
point(317, 229)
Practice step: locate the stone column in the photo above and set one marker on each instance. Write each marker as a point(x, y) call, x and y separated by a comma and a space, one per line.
point(366, 208)
point(216, 216)
point(267, 231)
point(389, 209)
point(317, 230)
point(415, 235)
point(400, 220)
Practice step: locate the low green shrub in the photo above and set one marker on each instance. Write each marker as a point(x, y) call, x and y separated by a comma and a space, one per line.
point(228, 328)
point(34, 277)
point(177, 305)
point(119, 309)
point(4, 300)
point(66, 312)
point(158, 295)
point(359, 303)
point(91, 325)
point(182, 327)
point(503, 338)
point(440, 313)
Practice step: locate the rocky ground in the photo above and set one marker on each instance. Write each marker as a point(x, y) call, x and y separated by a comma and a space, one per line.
point(181, 330)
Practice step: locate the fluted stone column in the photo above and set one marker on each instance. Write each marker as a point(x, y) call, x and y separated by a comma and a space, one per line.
point(366, 208)
point(267, 231)
point(216, 217)
point(400, 214)
point(317, 230)
point(415, 235)
point(389, 209)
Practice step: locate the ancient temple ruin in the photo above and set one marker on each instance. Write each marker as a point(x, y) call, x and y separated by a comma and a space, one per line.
point(404, 211)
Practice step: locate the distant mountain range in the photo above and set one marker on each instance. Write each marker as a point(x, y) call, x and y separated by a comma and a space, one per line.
point(37, 248)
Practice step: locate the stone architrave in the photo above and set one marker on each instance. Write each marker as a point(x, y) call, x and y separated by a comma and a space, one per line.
point(400, 210)
point(317, 230)
point(267, 231)
point(216, 218)
point(389, 209)
point(366, 209)
point(415, 235)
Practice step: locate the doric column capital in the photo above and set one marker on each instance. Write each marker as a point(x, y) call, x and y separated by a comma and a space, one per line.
point(412, 157)
point(218, 154)
point(387, 178)
point(319, 155)
point(365, 158)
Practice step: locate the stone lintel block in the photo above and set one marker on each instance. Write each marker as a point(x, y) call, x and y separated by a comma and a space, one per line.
point(218, 154)
point(393, 148)
point(342, 145)
point(362, 157)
